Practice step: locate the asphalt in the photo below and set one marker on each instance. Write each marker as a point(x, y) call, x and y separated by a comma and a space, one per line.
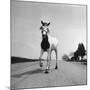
point(30, 75)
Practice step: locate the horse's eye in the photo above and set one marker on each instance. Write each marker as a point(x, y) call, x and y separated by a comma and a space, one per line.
point(42, 31)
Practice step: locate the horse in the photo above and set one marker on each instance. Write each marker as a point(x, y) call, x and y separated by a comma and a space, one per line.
point(48, 44)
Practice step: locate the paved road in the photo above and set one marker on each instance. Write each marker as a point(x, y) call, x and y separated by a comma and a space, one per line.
point(29, 74)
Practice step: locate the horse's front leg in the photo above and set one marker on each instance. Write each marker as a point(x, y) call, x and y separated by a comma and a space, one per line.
point(40, 58)
point(48, 61)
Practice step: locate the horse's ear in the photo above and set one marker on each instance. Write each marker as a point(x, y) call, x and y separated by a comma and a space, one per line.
point(40, 28)
point(48, 24)
point(41, 22)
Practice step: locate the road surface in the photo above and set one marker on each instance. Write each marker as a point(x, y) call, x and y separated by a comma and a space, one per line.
point(30, 75)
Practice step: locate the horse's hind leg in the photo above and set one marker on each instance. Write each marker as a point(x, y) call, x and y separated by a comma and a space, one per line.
point(56, 52)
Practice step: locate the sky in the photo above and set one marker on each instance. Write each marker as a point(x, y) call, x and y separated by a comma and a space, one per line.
point(67, 24)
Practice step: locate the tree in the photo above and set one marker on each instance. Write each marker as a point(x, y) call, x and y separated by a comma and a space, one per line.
point(81, 50)
point(76, 55)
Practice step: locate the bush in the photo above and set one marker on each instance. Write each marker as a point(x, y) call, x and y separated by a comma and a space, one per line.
point(65, 57)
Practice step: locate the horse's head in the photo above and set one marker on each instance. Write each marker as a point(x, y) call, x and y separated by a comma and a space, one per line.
point(44, 28)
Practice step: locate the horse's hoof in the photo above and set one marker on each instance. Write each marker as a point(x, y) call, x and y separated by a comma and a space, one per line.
point(41, 65)
point(46, 71)
point(56, 67)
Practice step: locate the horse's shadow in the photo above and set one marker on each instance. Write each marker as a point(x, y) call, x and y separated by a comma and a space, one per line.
point(36, 71)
